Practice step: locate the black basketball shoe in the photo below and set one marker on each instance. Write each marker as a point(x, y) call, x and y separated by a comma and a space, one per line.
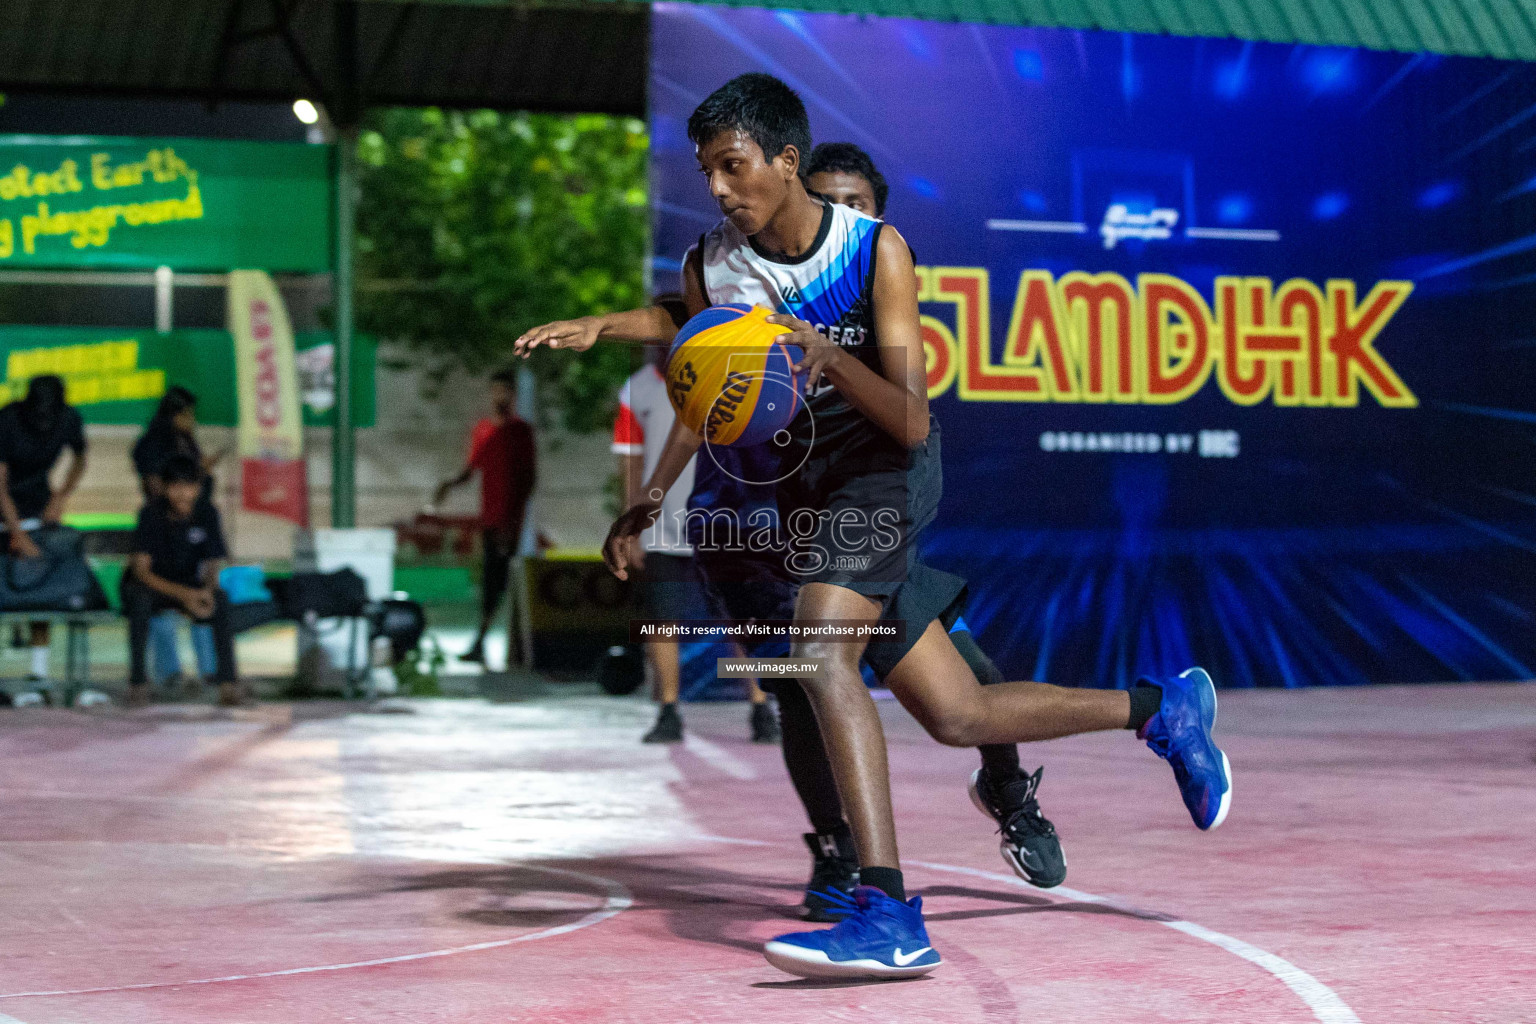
point(668, 727)
point(1029, 843)
point(835, 866)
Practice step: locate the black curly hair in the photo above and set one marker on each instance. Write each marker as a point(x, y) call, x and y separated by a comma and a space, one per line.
point(846, 158)
point(763, 107)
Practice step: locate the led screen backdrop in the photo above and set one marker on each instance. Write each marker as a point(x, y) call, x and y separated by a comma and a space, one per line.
point(1232, 344)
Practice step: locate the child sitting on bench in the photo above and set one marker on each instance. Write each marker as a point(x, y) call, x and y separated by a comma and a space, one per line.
point(178, 550)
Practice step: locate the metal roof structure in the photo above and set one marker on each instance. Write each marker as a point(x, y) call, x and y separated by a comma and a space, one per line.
point(573, 57)
point(590, 55)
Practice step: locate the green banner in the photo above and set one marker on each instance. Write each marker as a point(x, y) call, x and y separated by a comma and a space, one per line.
point(189, 204)
point(117, 375)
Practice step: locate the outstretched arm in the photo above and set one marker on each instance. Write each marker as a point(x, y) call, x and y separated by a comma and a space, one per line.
point(682, 444)
point(651, 325)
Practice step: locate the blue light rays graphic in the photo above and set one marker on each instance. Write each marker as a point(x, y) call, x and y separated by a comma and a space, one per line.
point(1439, 194)
point(1491, 134)
point(1328, 70)
point(1403, 72)
point(1232, 77)
point(1498, 252)
point(1515, 415)
point(1526, 186)
point(795, 22)
point(767, 62)
point(1322, 619)
point(986, 58)
point(1329, 205)
point(1456, 109)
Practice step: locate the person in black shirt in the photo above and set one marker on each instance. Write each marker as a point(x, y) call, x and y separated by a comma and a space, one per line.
point(170, 433)
point(178, 549)
point(33, 434)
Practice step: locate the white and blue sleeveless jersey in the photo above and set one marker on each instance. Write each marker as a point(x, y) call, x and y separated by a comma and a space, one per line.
point(829, 286)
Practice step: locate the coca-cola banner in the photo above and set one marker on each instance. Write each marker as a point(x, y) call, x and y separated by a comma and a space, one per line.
point(271, 432)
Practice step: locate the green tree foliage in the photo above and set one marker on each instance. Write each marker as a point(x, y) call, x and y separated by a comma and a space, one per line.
point(474, 226)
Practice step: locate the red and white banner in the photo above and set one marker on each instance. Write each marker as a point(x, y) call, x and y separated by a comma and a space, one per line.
point(271, 432)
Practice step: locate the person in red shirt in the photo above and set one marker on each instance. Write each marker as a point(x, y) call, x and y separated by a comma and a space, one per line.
point(502, 451)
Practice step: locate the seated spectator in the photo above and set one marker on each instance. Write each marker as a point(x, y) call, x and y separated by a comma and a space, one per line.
point(178, 550)
point(172, 431)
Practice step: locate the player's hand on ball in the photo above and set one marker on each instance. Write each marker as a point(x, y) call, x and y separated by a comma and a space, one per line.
point(577, 335)
point(618, 547)
point(819, 350)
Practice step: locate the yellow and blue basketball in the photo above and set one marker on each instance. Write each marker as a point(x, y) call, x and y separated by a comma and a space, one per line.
point(731, 379)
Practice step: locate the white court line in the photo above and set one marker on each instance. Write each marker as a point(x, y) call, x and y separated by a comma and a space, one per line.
point(617, 901)
point(713, 839)
point(718, 757)
point(1324, 1003)
point(7, 1019)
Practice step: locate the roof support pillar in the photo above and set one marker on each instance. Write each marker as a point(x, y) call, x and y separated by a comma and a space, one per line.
point(345, 110)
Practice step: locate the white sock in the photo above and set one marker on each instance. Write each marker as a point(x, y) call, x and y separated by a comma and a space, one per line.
point(40, 662)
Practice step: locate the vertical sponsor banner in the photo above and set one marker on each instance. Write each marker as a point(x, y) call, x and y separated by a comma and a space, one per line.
point(271, 432)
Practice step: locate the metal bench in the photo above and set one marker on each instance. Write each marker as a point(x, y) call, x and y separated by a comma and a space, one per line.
point(77, 656)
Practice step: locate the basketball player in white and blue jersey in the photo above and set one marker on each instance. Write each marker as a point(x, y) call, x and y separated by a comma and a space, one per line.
point(861, 478)
point(755, 586)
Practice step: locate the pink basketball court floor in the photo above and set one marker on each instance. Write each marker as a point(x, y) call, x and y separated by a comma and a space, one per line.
point(464, 861)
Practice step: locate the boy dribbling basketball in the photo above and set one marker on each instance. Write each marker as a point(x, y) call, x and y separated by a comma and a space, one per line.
point(866, 452)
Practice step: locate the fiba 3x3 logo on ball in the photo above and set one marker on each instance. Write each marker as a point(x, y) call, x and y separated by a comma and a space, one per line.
point(731, 379)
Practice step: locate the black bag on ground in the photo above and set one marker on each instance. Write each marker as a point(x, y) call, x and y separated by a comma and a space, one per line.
point(320, 595)
point(621, 670)
point(60, 581)
point(250, 614)
point(402, 623)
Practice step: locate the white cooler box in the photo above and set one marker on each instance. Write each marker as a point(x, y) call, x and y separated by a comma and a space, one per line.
point(370, 554)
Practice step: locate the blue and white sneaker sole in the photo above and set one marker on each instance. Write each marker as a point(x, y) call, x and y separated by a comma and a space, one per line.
point(813, 963)
point(1226, 798)
point(1226, 765)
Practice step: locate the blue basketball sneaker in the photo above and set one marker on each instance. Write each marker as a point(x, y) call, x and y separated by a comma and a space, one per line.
point(1180, 733)
point(878, 937)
